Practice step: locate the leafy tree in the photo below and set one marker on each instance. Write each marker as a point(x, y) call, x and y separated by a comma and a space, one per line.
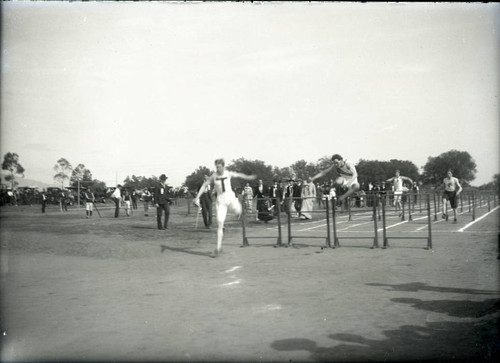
point(371, 171)
point(302, 169)
point(256, 167)
point(140, 182)
point(282, 174)
point(11, 163)
point(82, 174)
point(460, 163)
point(196, 179)
point(493, 185)
point(133, 182)
point(63, 170)
point(406, 168)
point(99, 188)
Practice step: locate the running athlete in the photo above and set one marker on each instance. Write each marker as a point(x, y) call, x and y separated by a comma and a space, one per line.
point(226, 198)
point(347, 172)
point(451, 184)
point(397, 183)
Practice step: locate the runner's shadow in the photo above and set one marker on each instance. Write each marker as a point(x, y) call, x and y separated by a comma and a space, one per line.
point(419, 286)
point(434, 342)
point(457, 308)
point(185, 250)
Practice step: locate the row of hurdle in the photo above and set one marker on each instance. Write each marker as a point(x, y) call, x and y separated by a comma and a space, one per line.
point(427, 203)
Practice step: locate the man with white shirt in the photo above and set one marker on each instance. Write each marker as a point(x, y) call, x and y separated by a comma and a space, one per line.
point(117, 198)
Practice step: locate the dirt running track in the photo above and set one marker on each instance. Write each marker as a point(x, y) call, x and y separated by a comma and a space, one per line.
point(107, 289)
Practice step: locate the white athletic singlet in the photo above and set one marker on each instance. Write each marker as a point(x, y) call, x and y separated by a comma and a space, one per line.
point(346, 171)
point(223, 188)
point(398, 184)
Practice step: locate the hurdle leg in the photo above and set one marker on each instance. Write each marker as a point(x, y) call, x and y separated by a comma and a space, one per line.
point(375, 239)
point(328, 240)
point(243, 225)
point(386, 241)
point(429, 223)
point(334, 224)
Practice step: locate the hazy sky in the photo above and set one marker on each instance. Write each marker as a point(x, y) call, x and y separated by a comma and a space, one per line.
point(152, 88)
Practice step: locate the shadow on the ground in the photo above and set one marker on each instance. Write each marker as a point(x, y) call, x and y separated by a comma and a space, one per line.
point(461, 308)
point(439, 342)
point(477, 341)
point(185, 250)
point(419, 286)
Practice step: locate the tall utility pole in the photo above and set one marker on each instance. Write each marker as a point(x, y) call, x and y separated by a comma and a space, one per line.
point(78, 194)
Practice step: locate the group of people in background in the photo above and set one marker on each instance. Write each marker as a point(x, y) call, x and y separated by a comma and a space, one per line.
point(160, 198)
point(295, 198)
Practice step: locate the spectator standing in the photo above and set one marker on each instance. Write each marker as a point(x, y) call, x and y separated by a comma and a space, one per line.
point(206, 202)
point(288, 196)
point(383, 192)
point(319, 195)
point(415, 190)
point(134, 198)
point(146, 199)
point(260, 194)
point(297, 194)
point(117, 198)
point(162, 202)
point(275, 193)
point(43, 197)
point(308, 197)
point(248, 197)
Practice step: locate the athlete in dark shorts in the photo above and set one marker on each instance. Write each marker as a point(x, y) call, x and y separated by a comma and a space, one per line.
point(451, 197)
point(451, 184)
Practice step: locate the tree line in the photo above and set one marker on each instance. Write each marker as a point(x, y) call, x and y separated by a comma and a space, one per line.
point(434, 171)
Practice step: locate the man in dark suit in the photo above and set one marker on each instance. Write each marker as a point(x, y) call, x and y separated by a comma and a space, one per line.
point(162, 202)
point(289, 195)
point(275, 193)
point(206, 204)
point(297, 193)
point(260, 192)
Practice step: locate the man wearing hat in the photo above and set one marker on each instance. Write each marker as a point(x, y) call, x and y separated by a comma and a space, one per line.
point(162, 202)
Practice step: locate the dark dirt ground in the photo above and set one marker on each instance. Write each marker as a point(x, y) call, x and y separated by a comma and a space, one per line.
point(106, 289)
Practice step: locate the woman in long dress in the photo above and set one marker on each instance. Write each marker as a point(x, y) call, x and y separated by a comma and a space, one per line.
point(308, 197)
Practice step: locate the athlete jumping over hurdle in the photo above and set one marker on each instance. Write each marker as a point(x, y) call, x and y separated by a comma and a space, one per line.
point(348, 175)
point(226, 198)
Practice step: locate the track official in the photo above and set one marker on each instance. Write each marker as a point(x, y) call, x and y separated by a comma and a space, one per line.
point(162, 202)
